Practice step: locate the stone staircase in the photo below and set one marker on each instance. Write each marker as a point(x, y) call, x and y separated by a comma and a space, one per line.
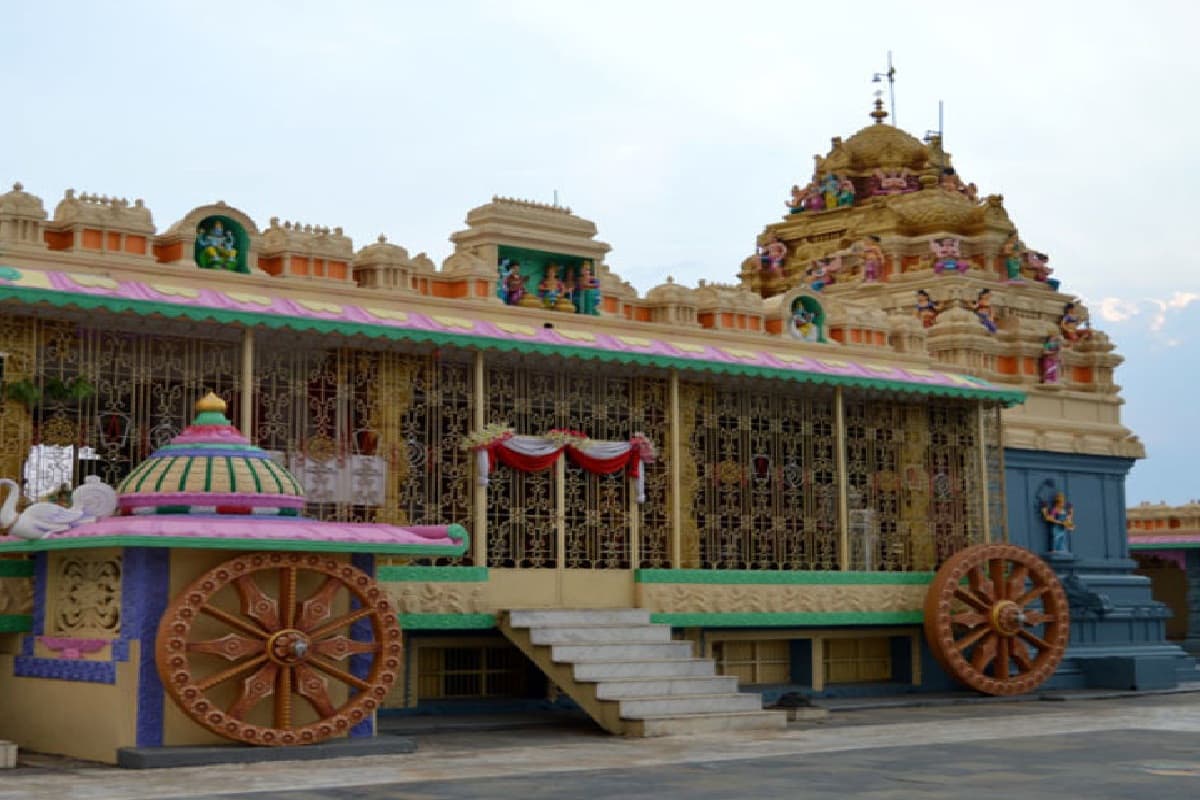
point(630, 676)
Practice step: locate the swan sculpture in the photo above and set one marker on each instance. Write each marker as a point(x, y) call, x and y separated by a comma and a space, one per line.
point(90, 501)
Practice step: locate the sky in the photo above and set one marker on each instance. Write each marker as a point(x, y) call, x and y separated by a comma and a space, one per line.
point(677, 127)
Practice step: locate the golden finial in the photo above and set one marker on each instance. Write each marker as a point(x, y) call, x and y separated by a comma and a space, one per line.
point(879, 114)
point(210, 403)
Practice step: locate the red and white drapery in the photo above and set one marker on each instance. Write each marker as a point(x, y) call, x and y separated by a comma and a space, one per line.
point(537, 453)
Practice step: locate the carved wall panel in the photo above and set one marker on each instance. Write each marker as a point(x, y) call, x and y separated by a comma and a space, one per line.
point(84, 594)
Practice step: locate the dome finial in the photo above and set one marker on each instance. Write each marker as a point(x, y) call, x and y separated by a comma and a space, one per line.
point(879, 114)
point(210, 403)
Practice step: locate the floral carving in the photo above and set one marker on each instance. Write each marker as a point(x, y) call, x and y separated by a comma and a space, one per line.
point(683, 598)
point(88, 597)
point(437, 598)
point(16, 595)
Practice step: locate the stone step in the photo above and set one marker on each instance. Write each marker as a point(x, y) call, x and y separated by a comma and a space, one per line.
point(662, 687)
point(685, 724)
point(633, 668)
point(600, 634)
point(689, 704)
point(619, 651)
point(538, 617)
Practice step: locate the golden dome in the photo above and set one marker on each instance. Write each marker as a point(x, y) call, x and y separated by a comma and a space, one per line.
point(881, 145)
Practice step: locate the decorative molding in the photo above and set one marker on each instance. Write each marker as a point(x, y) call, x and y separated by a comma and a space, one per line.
point(72, 648)
point(749, 576)
point(786, 599)
point(436, 598)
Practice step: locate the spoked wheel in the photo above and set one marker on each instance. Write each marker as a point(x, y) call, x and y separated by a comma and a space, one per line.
point(996, 619)
point(291, 629)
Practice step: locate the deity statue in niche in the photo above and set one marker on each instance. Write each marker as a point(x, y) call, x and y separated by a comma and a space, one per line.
point(1072, 328)
point(1038, 265)
point(951, 181)
point(983, 310)
point(551, 288)
point(587, 291)
point(846, 193)
point(872, 260)
point(1012, 250)
point(821, 272)
point(890, 181)
point(216, 246)
point(796, 204)
point(830, 186)
point(772, 255)
point(806, 320)
point(927, 308)
point(1061, 516)
point(512, 283)
point(1051, 361)
point(946, 255)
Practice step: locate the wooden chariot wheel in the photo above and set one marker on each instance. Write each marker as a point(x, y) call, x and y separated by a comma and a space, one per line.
point(996, 619)
point(301, 617)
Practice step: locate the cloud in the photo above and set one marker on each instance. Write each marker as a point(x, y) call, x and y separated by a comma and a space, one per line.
point(1159, 314)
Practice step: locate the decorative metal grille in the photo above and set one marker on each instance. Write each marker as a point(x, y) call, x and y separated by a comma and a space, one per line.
point(521, 506)
point(106, 398)
point(956, 485)
point(765, 494)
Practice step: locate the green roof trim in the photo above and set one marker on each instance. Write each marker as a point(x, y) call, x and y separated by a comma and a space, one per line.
point(16, 623)
point(60, 299)
point(399, 574)
point(802, 578)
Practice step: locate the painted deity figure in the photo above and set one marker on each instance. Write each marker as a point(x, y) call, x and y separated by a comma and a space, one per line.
point(1012, 250)
point(1061, 516)
point(814, 200)
point(821, 273)
point(927, 309)
point(983, 310)
point(830, 187)
point(1073, 330)
point(946, 255)
point(1051, 361)
point(890, 181)
point(796, 204)
point(587, 291)
point(512, 283)
point(872, 260)
point(772, 255)
point(804, 325)
point(846, 193)
point(218, 247)
point(1038, 265)
point(551, 288)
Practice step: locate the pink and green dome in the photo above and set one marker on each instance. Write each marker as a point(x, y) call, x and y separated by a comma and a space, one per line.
point(210, 468)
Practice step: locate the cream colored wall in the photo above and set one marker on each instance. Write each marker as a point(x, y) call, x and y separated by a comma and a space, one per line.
point(81, 720)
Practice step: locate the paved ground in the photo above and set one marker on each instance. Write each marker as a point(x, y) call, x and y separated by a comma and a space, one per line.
point(1144, 747)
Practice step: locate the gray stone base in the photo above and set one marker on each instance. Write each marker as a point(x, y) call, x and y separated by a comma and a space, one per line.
point(198, 756)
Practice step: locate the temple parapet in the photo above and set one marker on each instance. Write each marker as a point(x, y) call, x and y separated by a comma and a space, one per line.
point(305, 251)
